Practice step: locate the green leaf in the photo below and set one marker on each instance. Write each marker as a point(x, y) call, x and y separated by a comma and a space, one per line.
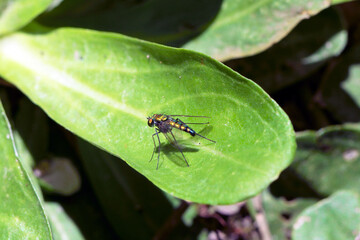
point(325, 155)
point(62, 225)
point(129, 201)
point(102, 86)
point(247, 27)
point(15, 14)
point(22, 216)
point(27, 162)
point(336, 217)
point(281, 214)
point(305, 50)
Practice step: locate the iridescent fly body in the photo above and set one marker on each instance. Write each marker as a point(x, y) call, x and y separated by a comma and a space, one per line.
point(164, 124)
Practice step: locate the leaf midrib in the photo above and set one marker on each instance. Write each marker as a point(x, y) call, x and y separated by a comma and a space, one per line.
point(12, 50)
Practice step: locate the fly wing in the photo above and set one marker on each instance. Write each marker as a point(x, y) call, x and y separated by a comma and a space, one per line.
point(188, 116)
point(173, 140)
point(185, 124)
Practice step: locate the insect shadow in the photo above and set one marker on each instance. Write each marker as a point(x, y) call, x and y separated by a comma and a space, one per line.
point(205, 131)
point(173, 155)
point(172, 152)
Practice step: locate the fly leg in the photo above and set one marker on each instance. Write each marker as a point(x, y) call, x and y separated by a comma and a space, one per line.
point(177, 145)
point(188, 116)
point(157, 134)
point(179, 121)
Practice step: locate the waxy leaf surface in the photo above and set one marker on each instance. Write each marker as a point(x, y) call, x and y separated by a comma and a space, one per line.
point(102, 86)
point(21, 213)
point(302, 52)
point(281, 214)
point(336, 217)
point(247, 27)
point(62, 225)
point(325, 155)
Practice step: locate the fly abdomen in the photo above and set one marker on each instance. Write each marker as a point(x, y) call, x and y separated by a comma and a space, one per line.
point(189, 130)
point(182, 126)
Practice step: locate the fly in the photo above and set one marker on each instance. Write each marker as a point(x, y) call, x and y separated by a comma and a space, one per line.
point(165, 124)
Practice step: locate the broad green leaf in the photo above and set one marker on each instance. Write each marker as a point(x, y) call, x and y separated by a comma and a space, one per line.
point(247, 27)
point(62, 225)
point(281, 214)
point(102, 86)
point(325, 155)
point(21, 213)
point(27, 162)
point(15, 14)
point(305, 50)
point(129, 201)
point(337, 217)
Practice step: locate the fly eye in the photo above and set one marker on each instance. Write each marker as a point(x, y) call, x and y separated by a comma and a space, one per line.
point(150, 122)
